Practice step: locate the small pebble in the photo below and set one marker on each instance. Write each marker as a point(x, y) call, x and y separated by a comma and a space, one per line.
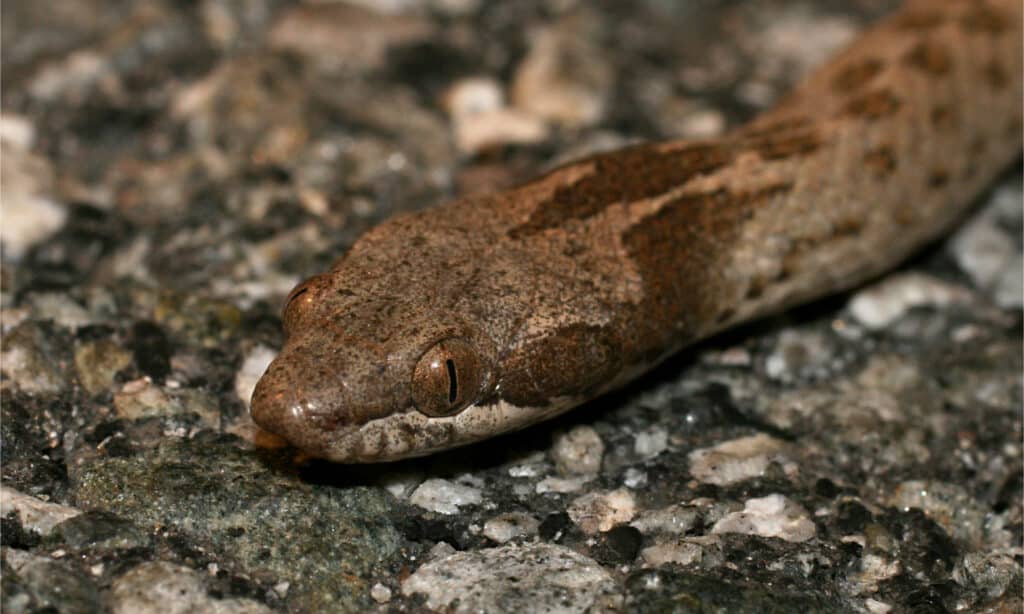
point(253, 366)
point(634, 478)
point(563, 78)
point(481, 119)
point(873, 570)
point(30, 210)
point(992, 574)
point(60, 308)
point(556, 484)
point(167, 588)
point(481, 131)
point(472, 96)
point(344, 35)
point(739, 459)
point(35, 514)
point(493, 580)
point(16, 131)
point(600, 511)
point(949, 505)
point(673, 520)
point(444, 497)
point(380, 593)
point(799, 353)
point(98, 362)
point(141, 398)
point(880, 304)
point(505, 527)
point(578, 452)
point(650, 442)
point(771, 516)
point(679, 552)
point(988, 253)
point(31, 358)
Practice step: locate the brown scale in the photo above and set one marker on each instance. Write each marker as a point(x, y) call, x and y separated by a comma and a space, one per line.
point(930, 57)
point(881, 161)
point(857, 75)
point(484, 315)
point(873, 105)
point(995, 74)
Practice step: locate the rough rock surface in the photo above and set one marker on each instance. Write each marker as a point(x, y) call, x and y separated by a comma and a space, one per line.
point(171, 170)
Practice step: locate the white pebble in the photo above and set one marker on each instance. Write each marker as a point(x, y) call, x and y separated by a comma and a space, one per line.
point(253, 366)
point(504, 527)
point(881, 304)
point(559, 579)
point(578, 452)
point(771, 516)
point(445, 497)
point(380, 593)
point(739, 459)
point(679, 552)
point(35, 514)
point(651, 442)
point(600, 511)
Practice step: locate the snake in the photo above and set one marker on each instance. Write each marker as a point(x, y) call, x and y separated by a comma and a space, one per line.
point(489, 313)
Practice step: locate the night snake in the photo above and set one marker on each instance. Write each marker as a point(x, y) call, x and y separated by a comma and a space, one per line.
point(457, 323)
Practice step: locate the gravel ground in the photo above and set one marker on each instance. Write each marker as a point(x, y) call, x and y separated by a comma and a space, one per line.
point(171, 169)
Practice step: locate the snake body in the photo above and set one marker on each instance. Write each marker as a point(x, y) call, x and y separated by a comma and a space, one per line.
point(486, 314)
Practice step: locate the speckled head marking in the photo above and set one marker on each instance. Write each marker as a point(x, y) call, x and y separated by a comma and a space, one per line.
point(485, 315)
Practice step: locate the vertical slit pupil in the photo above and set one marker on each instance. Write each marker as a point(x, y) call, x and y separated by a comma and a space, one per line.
point(453, 384)
point(297, 295)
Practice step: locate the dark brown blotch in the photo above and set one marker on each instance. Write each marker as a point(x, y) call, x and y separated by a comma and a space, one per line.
point(1014, 126)
point(983, 19)
point(930, 58)
point(881, 161)
point(789, 125)
point(977, 146)
point(849, 227)
point(995, 75)
point(942, 116)
point(873, 105)
point(624, 176)
point(756, 288)
point(677, 250)
point(782, 147)
point(855, 76)
point(793, 136)
point(938, 178)
point(904, 214)
point(572, 361)
point(726, 315)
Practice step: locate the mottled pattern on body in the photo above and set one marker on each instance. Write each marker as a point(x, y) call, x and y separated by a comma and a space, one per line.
point(574, 283)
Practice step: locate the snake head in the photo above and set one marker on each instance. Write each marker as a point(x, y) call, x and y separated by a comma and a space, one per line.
point(369, 374)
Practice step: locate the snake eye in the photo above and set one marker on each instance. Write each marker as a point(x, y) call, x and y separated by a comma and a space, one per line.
point(298, 302)
point(448, 377)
